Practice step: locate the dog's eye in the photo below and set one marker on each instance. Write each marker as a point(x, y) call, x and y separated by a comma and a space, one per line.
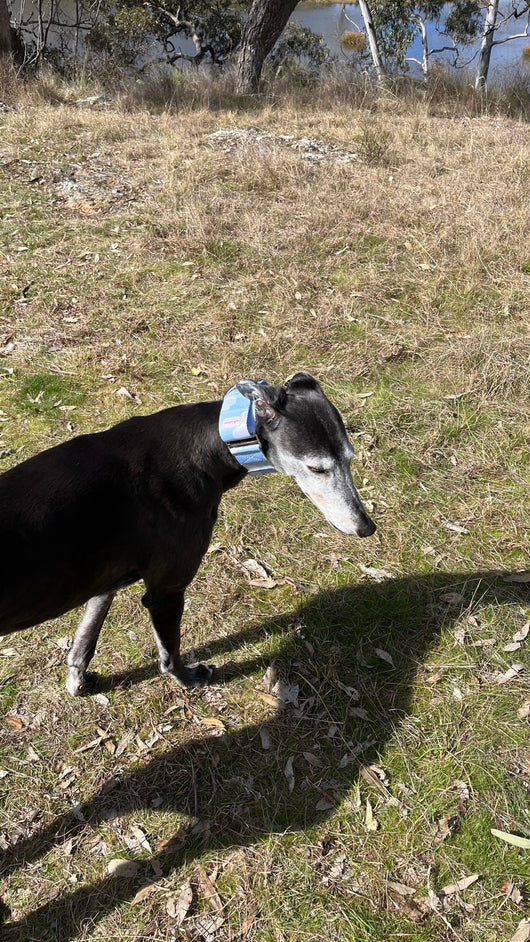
point(316, 470)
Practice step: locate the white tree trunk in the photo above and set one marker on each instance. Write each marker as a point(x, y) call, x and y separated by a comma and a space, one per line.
point(487, 44)
point(366, 14)
point(424, 47)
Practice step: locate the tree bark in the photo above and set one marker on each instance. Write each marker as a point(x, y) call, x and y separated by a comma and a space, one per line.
point(6, 44)
point(487, 44)
point(264, 26)
point(366, 14)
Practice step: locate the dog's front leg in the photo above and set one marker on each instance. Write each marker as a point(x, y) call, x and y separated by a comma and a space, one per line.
point(85, 640)
point(165, 609)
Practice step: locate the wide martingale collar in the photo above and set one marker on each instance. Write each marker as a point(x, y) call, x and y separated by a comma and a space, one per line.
point(237, 427)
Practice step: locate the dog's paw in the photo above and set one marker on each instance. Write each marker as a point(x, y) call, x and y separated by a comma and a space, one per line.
point(197, 676)
point(80, 682)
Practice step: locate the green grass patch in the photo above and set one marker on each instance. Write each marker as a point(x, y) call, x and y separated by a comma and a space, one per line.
point(186, 270)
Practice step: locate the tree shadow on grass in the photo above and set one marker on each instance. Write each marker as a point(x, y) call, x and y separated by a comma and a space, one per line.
point(237, 790)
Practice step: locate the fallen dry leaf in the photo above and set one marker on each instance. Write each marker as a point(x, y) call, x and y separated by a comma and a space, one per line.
point(212, 721)
point(522, 933)
point(249, 919)
point(123, 743)
point(125, 869)
point(122, 391)
point(378, 575)
point(64, 643)
point(522, 633)
point(271, 701)
point(462, 884)
point(384, 656)
point(256, 569)
point(524, 710)
point(287, 693)
point(313, 760)
point(137, 839)
point(518, 638)
point(323, 804)
point(359, 712)
point(369, 821)
point(336, 871)
point(269, 678)
point(15, 722)
point(270, 583)
point(452, 598)
point(172, 843)
point(101, 699)
point(517, 894)
point(510, 674)
point(350, 691)
point(144, 893)
point(265, 738)
point(445, 827)
point(208, 891)
point(177, 907)
point(454, 527)
point(289, 772)
point(3, 773)
point(67, 776)
point(206, 927)
point(401, 888)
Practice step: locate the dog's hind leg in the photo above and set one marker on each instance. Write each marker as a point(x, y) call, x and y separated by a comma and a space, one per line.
point(85, 640)
point(165, 609)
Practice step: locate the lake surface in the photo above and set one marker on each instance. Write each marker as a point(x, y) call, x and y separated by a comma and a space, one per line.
point(331, 21)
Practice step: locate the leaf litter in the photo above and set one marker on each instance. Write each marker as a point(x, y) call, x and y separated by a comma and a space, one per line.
point(177, 907)
point(512, 672)
point(518, 638)
point(522, 933)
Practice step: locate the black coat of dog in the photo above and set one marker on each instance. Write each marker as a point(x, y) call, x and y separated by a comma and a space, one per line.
point(139, 501)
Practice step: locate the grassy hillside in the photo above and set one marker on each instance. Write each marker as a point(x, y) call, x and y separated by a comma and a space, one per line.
point(147, 260)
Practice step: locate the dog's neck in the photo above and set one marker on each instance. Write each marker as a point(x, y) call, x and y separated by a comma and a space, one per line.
point(237, 428)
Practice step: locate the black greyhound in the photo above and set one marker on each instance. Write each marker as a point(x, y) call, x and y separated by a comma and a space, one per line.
point(139, 501)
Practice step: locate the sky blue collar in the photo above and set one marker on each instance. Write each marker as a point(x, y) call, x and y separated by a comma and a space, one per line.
point(237, 427)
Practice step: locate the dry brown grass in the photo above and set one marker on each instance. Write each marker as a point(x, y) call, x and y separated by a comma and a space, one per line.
point(135, 248)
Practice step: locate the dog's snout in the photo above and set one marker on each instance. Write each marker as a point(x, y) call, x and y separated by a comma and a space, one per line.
point(366, 529)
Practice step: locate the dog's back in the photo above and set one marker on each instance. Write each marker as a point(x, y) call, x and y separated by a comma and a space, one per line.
point(53, 510)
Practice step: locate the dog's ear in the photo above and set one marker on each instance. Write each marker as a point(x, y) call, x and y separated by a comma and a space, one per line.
point(267, 400)
point(302, 381)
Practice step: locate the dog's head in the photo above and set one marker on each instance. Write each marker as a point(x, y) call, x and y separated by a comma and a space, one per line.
point(302, 435)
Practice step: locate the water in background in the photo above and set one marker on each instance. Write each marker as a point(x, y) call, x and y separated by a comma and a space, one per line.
point(331, 21)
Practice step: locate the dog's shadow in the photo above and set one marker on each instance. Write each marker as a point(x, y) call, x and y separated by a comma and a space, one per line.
point(337, 643)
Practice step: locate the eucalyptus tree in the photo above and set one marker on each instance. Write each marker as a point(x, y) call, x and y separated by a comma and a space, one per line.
point(5, 30)
point(494, 23)
point(391, 26)
point(263, 27)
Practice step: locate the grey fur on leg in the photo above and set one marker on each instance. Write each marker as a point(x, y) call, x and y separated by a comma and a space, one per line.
point(82, 651)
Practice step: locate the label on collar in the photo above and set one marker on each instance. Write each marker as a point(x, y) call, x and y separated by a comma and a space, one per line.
point(237, 427)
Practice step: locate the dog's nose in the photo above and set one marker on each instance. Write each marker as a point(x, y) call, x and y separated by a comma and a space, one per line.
point(367, 529)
